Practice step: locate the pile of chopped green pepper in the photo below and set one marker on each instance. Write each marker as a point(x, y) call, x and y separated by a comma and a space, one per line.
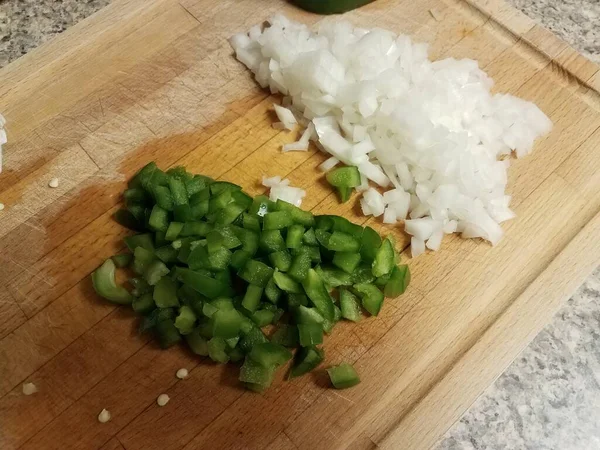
point(241, 278)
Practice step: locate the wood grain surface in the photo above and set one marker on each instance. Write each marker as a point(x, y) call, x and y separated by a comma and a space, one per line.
point(146, 80)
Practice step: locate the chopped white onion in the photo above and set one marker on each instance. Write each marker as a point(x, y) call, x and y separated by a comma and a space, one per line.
point(281, 190)
point(182, 373)
point(328, 164)
point(430, 130)
point(286, 117)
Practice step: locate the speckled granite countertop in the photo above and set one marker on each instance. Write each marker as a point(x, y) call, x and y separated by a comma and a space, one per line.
point(549, 398)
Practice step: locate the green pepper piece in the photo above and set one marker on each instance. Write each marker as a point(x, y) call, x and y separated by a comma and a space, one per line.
point(239, 259)
point(217, 350)
point(272, 291)
point(163, 198)
point(167, 333)
point(263, 317)
point(219, 201)
point(183, 213)
point(371, 296)
point(195, 185)
point(229, 214)
point(398, 282)
point(217, 187)
point(165, 293)
point(272, 241)
point(159, 219)
point(310, 334)
point(178, 191)
point(249, 239)
point(277, 220)
point(301, 264)
point(344, 192)
point(155, 271)
point(309, 237)
point(103, 279)
point(307, 359)
point(294, 236)
point(197, 343)
point(140, 286)
point(235, 354)
point(167, 254)
point(362, 274)
point(141, 178)
point(343, 376)
point(330, 6)
point(281, 260)
point(333, 277)
point(122, 260)
point(230, 240)
point(203, 284)
point(196, 229)
point(350, 306)
point(295, 300)
point(185, 320)
point(371, 242)
point(347, 261)
point(250, 222)
point(251, 338)
point(219, 259)
point(385, 259)
point(143, 304)
point(299, 216)
point(257, 273)
point(286, 283)
point(242, 199)
point(306, 315)
point(286, 335)
point(252, 297)
point(173, 231)
point(347, 177)
point(342, 242)
point(313, 252)
point(318, 295)
point(269, 354)
point(143, 240)
point(142, 258)
point(226, 323)
point(258, 376)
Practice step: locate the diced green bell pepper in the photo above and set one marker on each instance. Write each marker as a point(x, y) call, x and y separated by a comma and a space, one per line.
point(385, 259)
point(371, 297)
point(398, 282)
point(105, 285)
point(349, 305)
point(306, 360)
point(343, 376)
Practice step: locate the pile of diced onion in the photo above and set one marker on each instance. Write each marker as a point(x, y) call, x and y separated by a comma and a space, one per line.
point(429, 135)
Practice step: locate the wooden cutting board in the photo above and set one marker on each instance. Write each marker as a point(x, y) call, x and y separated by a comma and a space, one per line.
point(150, 80)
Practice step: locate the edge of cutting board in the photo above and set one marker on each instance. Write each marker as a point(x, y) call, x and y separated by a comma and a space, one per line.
point(518, 324)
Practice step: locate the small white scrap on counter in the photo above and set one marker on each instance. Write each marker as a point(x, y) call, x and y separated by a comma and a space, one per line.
point(53, 183)
point(281, 189)
point(182, 373)
point(162, 399)
point(433, 131)
point(104, 416)
point(29, 388)
point(1, 206)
